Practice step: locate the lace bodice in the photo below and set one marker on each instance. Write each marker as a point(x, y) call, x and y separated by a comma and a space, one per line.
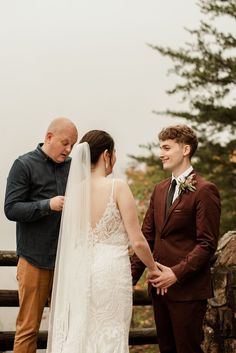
point(110, 228)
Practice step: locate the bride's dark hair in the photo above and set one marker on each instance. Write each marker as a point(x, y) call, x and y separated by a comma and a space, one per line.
point(98, 141)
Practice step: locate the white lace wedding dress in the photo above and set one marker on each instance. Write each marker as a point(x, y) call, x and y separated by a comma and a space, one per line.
point(92, 290)
point(110, 306)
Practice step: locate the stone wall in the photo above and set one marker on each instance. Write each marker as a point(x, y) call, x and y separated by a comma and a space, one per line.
point(220, 321)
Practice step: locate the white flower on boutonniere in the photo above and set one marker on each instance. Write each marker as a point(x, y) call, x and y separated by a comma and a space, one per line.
point(187, 184)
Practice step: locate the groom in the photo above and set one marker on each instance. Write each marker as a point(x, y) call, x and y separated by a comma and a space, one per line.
point(182, 228)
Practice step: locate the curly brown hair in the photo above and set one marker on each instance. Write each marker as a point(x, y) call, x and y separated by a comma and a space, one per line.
point(181, 134)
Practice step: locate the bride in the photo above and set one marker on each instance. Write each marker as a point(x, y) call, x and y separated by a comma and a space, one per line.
point(92, 291)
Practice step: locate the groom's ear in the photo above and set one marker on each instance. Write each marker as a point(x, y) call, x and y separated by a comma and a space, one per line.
point(186, 150)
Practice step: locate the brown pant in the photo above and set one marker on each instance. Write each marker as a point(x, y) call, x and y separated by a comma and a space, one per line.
point(179, 324)
point(34, 290)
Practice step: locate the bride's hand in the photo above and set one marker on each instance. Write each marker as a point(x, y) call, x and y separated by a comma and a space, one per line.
point(152, 274)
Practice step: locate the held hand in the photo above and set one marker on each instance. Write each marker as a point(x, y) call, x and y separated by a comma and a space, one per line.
point(57, 203)
point(166, 279)
point(154, 274)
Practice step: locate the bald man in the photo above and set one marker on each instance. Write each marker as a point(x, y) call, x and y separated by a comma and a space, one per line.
point(34, 200)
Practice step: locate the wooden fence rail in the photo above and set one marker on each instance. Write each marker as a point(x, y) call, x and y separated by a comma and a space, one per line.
point(136, 337)
point(8, 258)
point(9, 298)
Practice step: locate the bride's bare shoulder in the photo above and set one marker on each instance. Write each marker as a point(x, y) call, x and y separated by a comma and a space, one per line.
point(121, 185)
point(119, 182)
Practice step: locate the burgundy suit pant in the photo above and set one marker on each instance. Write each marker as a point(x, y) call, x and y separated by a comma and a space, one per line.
point(179, 324)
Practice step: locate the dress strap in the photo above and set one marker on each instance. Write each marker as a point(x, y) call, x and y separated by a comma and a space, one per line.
point(112, 188)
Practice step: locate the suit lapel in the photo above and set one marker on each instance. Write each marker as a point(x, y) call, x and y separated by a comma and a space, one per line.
point(162, 195)
point(171, 209)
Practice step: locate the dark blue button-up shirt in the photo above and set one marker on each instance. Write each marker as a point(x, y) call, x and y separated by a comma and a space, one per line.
point(33, 180)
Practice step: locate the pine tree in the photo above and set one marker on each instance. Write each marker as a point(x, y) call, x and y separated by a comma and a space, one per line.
point(206, 71)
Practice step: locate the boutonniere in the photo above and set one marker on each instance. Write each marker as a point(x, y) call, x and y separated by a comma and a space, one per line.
point(187, 184)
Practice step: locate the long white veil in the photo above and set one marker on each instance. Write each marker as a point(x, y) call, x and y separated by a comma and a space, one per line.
point(71, 286)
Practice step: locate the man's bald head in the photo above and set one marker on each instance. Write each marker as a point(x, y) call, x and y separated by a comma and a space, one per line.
point(60, 137)
point(61, 123)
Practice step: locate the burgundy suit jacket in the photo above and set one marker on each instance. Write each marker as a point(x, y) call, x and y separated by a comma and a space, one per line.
point(185, 239)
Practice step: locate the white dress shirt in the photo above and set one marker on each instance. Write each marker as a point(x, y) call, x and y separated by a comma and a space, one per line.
point(180, 178)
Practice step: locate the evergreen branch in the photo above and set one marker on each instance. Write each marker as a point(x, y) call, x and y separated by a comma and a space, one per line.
point(218, 8)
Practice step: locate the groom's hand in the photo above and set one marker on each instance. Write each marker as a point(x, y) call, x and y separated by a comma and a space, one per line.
point(153, 275)
point(166, 279)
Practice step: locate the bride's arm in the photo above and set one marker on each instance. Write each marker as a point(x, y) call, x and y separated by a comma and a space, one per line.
point(127, 207)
